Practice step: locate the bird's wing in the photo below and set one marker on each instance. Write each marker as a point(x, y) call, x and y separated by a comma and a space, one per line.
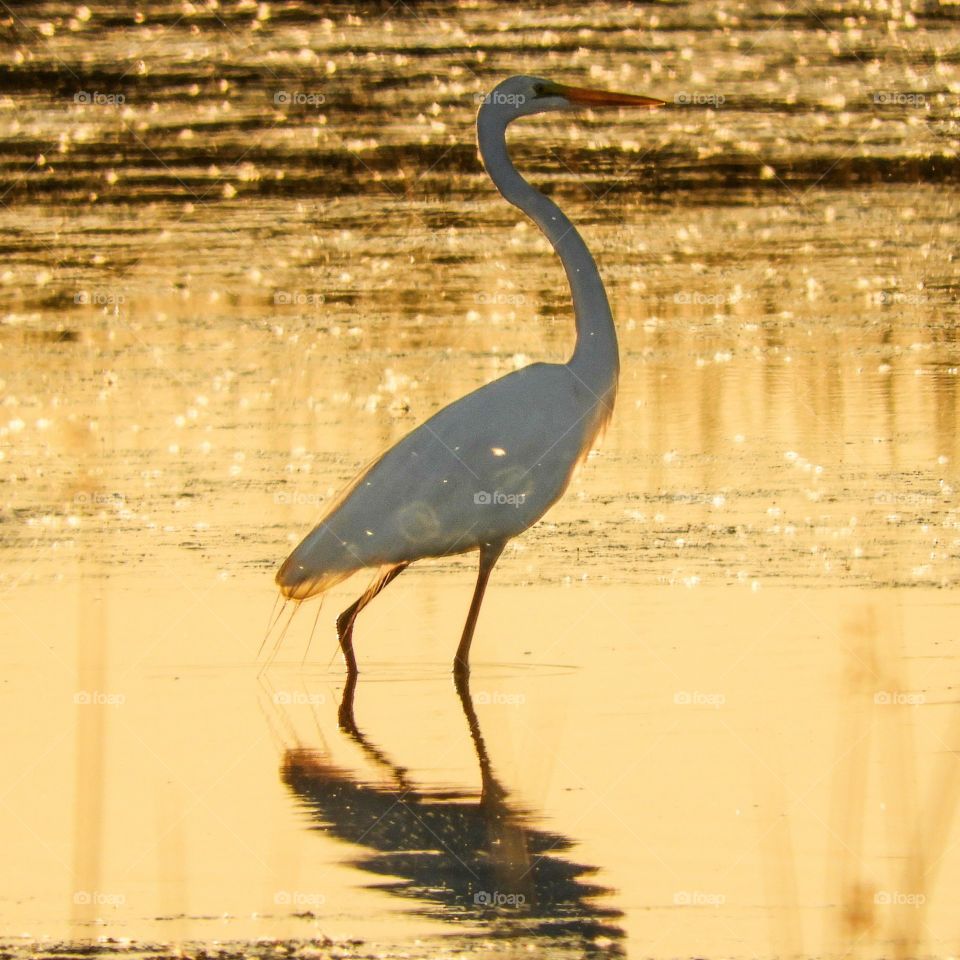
point(482, 469)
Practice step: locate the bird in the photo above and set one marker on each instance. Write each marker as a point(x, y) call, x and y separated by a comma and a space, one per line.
point(485, 468)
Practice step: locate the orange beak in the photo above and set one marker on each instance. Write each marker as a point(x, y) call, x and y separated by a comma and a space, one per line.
point(584, 96)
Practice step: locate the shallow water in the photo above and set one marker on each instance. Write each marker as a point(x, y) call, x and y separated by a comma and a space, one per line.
point(713, 709)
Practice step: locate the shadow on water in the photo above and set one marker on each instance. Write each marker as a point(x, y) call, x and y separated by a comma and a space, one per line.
point(465, 859)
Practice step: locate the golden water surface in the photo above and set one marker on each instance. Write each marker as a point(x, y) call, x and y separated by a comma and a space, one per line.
point(713, 710)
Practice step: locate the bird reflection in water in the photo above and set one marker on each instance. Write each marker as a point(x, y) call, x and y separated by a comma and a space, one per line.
point(470, 860)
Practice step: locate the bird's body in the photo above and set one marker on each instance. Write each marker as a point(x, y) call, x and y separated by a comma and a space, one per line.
point(442, 490)
point(485, 468)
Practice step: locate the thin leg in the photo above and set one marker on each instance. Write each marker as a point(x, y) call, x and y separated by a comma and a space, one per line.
point(489, 554)
point(345, 633)
point(346, 619)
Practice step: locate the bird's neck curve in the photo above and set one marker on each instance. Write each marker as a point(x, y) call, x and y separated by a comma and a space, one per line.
point(596, 359)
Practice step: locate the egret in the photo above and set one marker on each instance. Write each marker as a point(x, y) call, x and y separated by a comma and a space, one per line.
point(488, 466)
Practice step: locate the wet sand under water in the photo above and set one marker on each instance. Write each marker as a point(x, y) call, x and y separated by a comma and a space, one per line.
point(729, 765)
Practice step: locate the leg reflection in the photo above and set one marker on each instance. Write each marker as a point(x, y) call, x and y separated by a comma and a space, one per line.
point(461, 857)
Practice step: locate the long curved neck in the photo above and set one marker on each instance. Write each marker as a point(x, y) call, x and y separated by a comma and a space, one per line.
point(595, 360)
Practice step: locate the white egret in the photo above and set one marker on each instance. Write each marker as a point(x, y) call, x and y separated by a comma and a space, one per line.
point(485, 468)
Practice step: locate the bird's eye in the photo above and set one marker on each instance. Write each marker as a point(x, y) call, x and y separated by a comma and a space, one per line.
point(538, 89)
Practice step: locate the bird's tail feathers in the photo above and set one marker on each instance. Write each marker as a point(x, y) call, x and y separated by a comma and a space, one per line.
point(294, 586)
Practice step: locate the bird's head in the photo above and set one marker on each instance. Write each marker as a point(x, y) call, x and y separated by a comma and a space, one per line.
point(524, 96)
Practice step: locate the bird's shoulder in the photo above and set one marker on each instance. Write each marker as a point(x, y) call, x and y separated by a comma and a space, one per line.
point(520, 412)
point(537, 387)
